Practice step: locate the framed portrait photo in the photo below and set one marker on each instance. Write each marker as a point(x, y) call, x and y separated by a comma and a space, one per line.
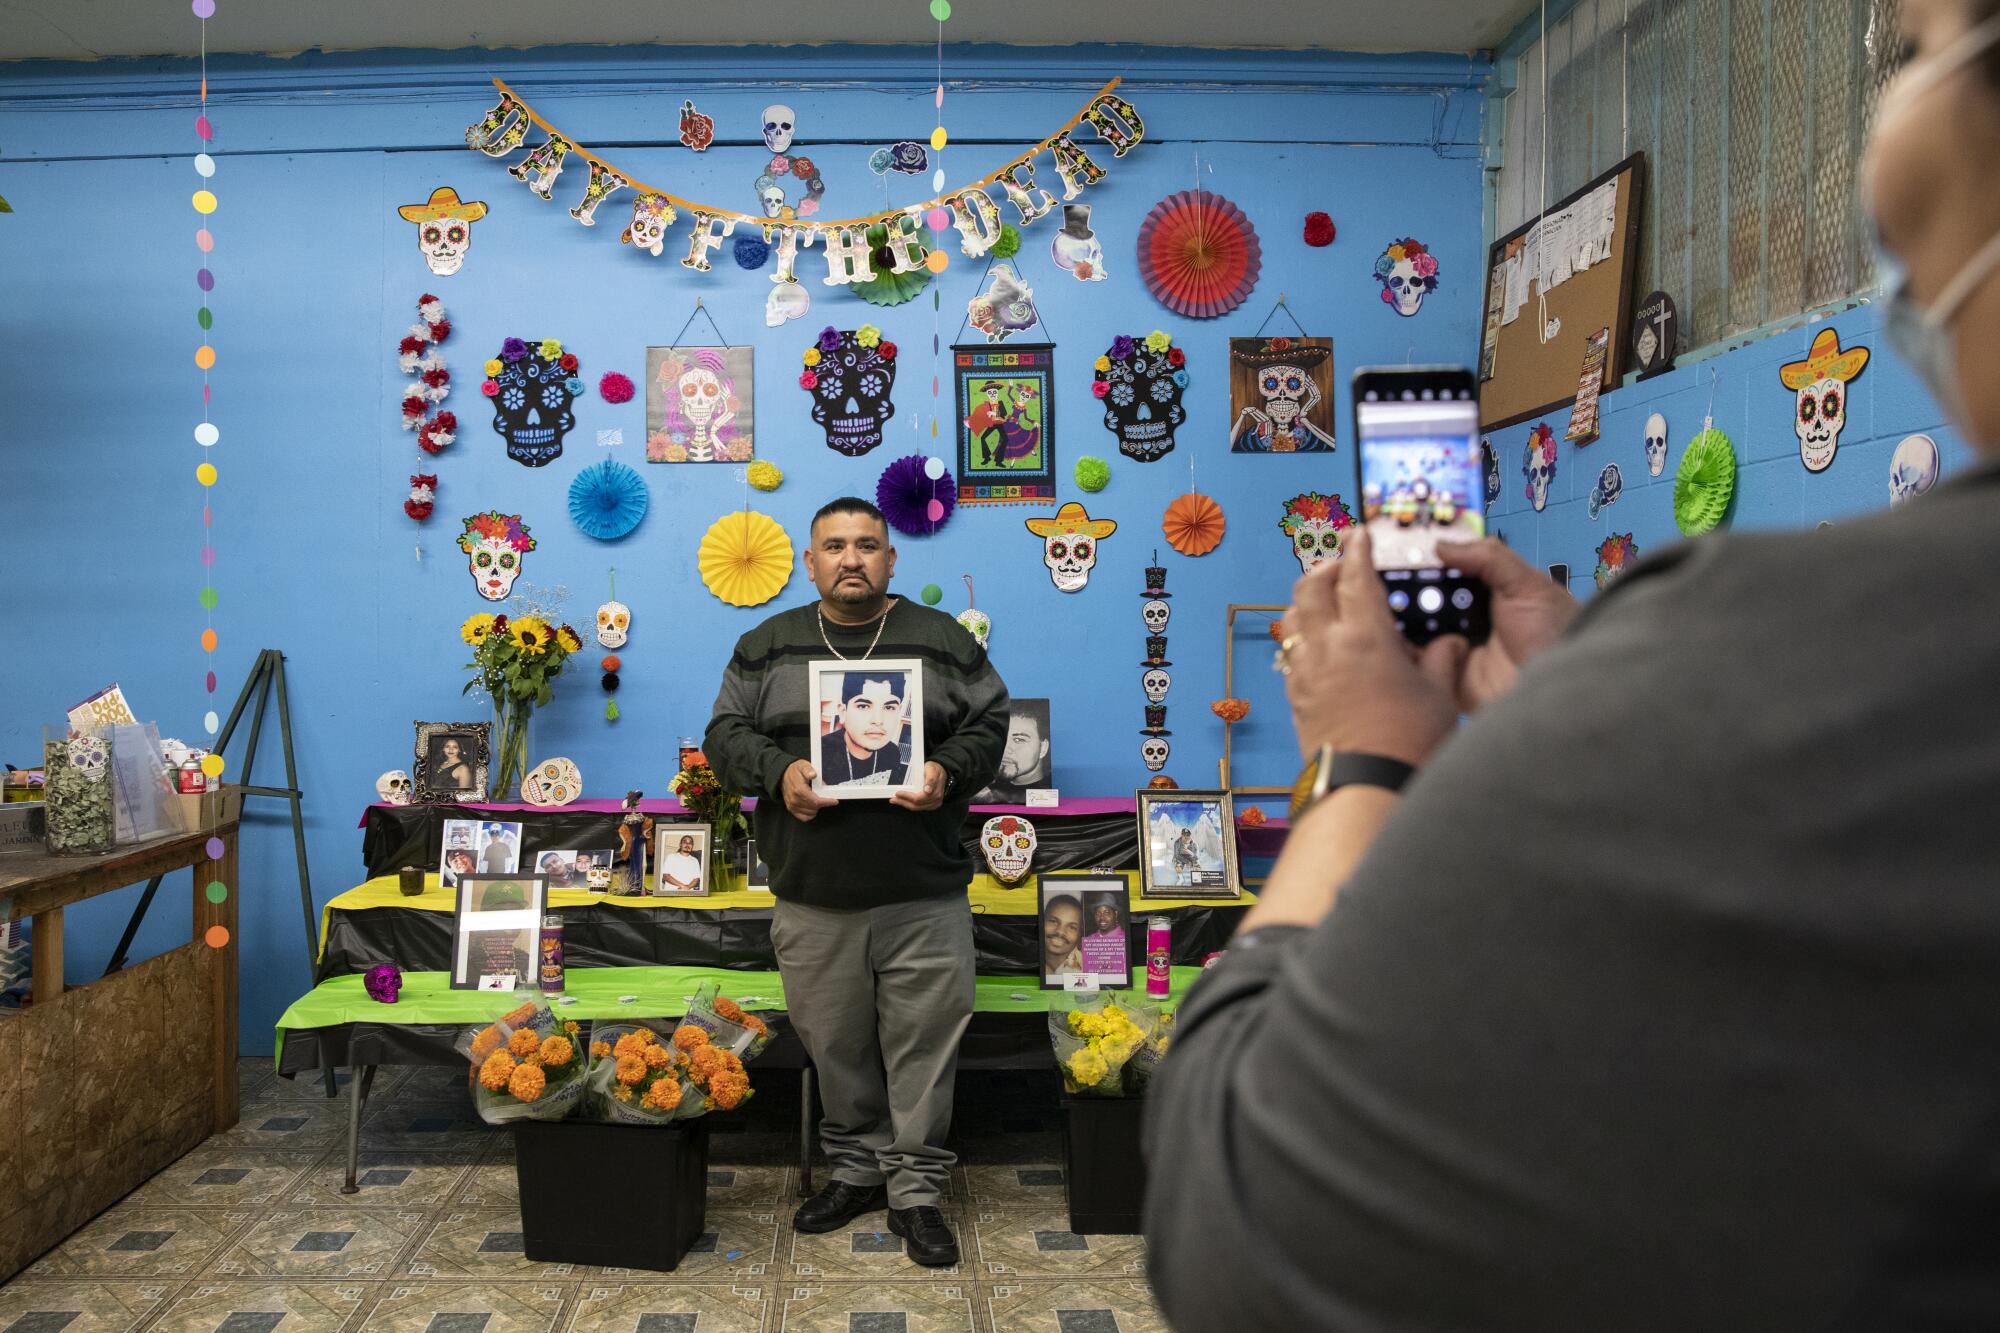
point(1086, 931)
point(868, 733)
point(1187, 845)
point(680, 860)
point(451, 761)
point(756, 874)
point(496, 930)
point(1026, 760)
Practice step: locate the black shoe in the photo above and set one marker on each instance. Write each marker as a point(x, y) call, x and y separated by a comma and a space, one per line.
point(837, 1205)
point(927, 1240)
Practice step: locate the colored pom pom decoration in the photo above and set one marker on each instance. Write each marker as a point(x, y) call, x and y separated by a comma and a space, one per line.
point(1092, 474)
point(610, 682)
point(1193, 524)
point(607, 500)
point(611, 662)
point(751, 252)
point(614, 387)
point(932, 594)
point(1230, 710)
point(1252, 817)
point(1009, 243)
point(1319, 229)
point(423, 494)
point(913, 500)
point(766, 476)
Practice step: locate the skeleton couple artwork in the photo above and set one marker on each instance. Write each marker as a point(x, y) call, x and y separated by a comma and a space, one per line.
point(698, 405)
point(1281, 390)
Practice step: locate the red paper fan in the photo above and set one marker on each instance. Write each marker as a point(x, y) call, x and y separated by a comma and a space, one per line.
point(1198, 254)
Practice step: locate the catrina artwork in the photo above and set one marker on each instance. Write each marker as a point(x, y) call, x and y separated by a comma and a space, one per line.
point(1282, 392)
point(1407, 272)
point(1315, 525)
point(1141, 381)
point(1820, 381)
point(495, 544)
point(533, 386)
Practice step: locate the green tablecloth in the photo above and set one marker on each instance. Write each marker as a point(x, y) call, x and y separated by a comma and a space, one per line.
point(427, 997)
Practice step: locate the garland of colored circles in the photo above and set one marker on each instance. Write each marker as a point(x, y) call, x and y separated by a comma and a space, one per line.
point(205, 435)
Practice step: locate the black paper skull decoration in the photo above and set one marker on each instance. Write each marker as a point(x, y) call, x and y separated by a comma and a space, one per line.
point(532, 395)
point(1141, 381)
point(850, 374)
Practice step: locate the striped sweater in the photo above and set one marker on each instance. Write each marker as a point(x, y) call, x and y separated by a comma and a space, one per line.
point(860, 853)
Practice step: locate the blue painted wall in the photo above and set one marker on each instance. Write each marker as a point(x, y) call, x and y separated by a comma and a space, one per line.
point(318, 276)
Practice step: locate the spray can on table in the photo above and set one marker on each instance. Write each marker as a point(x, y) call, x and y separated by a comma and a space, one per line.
point(1159, 956)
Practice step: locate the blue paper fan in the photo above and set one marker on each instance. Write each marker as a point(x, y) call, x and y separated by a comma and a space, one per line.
point(607, 500)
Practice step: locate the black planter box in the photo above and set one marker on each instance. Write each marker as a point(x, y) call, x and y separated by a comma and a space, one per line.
point(1103, 1165)
point(623, 1196)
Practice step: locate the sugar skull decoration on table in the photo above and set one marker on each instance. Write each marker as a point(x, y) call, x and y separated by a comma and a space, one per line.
point(393, 787)
point(444, 228)
point(1069, 544)
point(383, 982)
point(1820, 381)
point(1538, 464)
point(532, 386)
point(552, 782)
point(1007, 844)
point(496, 544)
point(1913, 469)
point(1656, 444)
point(1610, 484)
point(651, 216)
point(1408, 272)
point(1141, 381)
point(1315, 524)
point(850, 374)
point(1615, 554)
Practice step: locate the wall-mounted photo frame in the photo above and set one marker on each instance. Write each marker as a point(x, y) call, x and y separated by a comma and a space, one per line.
point(680, 860)
point(451, 762)
point(1027, 759)
point(496, 931)
point(1187, 845)
point(868, 737)
point(1086, 931)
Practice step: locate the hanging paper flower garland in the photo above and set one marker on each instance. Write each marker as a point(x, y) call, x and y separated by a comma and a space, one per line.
point(423, 496)
point(417, 355)
point(614, 387)
point(916, 494)
point(1193, 524)
point(1199, 254)
point(607, 500)
point(745, 558)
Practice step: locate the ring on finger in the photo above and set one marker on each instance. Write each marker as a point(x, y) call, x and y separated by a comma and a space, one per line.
point(1281, 661)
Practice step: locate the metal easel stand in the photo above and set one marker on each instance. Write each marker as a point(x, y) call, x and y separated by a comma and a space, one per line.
point(268, 670)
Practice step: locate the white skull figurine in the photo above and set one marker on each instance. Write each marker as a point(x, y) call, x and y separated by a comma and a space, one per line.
point(1070, 557)
point(614, 621)
point(393, 787)
point(1154, 752)
point(1007, 842)
point(1155, 614)
point(977, 623)
point(778, 123)
point(1156, 683)
point(1821, 416)
point(1656, 443)
point(1535, 465)
point(1913, 469)
point(552, 782)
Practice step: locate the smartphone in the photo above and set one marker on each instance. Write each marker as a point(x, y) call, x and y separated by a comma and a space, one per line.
point(1420, 479)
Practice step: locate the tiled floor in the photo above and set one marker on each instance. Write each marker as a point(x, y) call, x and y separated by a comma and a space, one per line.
point(250, 1234)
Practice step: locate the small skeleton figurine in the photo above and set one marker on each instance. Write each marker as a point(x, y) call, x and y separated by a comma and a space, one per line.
point(634, 830)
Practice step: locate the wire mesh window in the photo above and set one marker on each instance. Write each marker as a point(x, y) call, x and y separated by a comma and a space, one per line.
point(1752, 115)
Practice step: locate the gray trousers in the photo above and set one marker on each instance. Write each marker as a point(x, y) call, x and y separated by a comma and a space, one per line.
point(880, 996)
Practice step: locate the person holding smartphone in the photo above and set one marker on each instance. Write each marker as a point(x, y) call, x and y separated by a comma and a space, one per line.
point(1660, 994)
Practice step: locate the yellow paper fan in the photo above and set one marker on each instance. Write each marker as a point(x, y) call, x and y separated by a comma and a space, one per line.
point(745, 558)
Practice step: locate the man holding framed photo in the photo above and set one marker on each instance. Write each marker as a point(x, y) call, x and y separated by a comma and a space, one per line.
point(871, 929)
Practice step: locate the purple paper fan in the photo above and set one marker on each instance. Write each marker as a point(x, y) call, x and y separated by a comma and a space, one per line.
point(912, 500)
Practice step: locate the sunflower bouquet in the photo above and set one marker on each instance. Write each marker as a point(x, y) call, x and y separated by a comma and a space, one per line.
point(1097, 1045)
point(528, 1065)
point(516, 662)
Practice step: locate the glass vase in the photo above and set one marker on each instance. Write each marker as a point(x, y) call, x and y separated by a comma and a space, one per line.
point(510, 750)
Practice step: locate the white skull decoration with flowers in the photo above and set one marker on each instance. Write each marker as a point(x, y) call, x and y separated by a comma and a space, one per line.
point(495, 545)
point(1538, 464)
point(1408, 272)
point(1007, 843)
point(1315, 524)
point(1141, 381)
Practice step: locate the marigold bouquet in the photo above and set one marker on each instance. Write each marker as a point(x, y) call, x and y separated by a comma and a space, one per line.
point(527, 1064)
point(704, 796)
point(516, 662)
point(649, 1073)
point(1096, 1041)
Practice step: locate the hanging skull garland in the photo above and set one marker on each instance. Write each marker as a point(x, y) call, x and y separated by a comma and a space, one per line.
point(532, 386)
point(1155, 613)
point(1141, 382)
point(1656, 444)
point(1821, 384)
point(1315, 524)
point(1913, 469)
point(614, 622)
point(850, 374)
point(393, 787)
point(1408, 272)
point(1007, 843)
point(1153, 751)
point(495, 545)
point(1538, 464)
point(1156, 683)
point(1069, 544)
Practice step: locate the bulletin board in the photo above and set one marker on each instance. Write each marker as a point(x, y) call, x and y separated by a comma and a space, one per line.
point(1530, 377)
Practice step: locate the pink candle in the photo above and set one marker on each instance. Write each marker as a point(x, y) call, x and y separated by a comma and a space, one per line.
point(1159, 957)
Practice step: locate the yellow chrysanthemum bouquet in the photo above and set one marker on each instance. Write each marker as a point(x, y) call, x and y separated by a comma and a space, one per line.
point(1105, 1047)
point(655, 1071)
point(515, 661)
point(527, 1065)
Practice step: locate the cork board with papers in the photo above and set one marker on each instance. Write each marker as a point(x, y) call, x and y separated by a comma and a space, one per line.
point(1550, 285)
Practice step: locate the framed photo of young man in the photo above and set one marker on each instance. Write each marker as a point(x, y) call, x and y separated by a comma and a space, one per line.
point(680, 860)
point(1187, 845)
point(868, 737)
point(496, 930)
point(1086, 935)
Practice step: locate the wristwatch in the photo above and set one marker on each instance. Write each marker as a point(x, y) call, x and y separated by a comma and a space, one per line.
point(1332, 769)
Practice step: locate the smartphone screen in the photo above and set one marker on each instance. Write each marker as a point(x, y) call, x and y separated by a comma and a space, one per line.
point(1421, 481)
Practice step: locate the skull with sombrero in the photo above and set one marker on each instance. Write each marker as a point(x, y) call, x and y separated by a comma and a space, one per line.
point(1069, 544)
point(1821, 384)
point(444, 228)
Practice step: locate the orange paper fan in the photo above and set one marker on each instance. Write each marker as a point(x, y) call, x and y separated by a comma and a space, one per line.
point(1193, 524)
point(1198, 254)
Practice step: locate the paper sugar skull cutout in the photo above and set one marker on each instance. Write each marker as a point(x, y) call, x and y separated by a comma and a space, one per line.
point(1538, 464)
point(614, 622)
point(1315, 524)
point(651, 216)
point(393, 787)
point(1821, 384)
point(1141, 381)
point(1610, 484)
point(1156, 683)
point(1615, 555)
point(1076, 248)
point(1408, 273)
point(444, 228)
point(1656, 444)
point(552, 782)
point(1153, 752)
point(778, 124)
point(850, 374)
point(1913, 469)
point(1155, 613)
point(495, 544)
point(1007, 843)
point(977, 623)
point(531, 396)
point(1006, 307)
point(1069, 544)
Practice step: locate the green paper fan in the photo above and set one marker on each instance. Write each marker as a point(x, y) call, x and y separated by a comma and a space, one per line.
point(890, 288)
point(1704, 482)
